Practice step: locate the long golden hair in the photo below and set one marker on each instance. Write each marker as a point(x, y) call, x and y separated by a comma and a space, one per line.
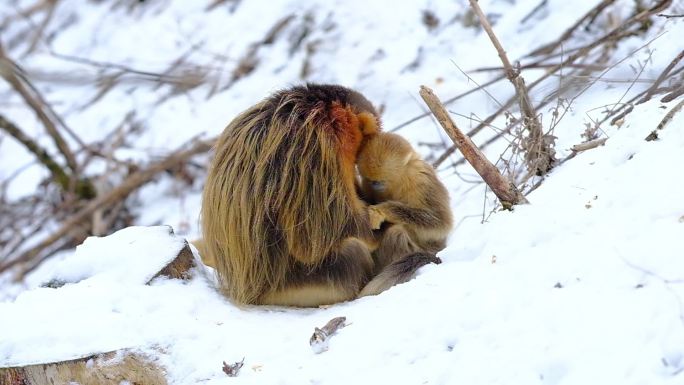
point(280, 190)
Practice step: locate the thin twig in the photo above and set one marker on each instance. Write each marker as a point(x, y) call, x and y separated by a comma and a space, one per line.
point(578, 53)
point(661, 78)
point(591, 15)
point(449, 101)
point(540, 155)
point(669, 16)
point(40, 30)
point(537, 65)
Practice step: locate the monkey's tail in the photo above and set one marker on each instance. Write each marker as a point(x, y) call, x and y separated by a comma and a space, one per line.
point(397, 272)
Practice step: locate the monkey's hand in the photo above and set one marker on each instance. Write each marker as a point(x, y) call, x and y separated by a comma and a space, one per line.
point(376, 216)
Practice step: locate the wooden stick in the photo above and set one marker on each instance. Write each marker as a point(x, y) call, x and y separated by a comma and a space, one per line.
point(506, 191)
point(589, 145)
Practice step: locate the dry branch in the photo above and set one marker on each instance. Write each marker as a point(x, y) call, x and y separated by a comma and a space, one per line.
point(677, 92)
point(589, 16)
point(589, 145)
point(449, 101)
point(580, 52)
point(539, 153)
point(506, 191)
point(9, 71)
point(669, 16)
point(58, 174)
point(624, 109)
point(248, 63)
point(661, 78)
point(665, 121)
point(131, 183)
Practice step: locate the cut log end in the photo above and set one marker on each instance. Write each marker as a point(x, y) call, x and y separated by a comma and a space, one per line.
point(111, 368)
point(180, 267)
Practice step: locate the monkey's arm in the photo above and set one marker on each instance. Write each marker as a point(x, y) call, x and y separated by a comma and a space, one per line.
point(399, 212)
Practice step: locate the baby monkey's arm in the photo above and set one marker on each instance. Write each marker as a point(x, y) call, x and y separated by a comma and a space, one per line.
point(398, 212)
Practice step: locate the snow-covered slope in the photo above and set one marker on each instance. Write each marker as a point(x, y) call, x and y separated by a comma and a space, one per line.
point(585, 285)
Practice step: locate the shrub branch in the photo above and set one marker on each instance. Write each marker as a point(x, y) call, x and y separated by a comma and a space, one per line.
point(506, 191)
point(540, 155)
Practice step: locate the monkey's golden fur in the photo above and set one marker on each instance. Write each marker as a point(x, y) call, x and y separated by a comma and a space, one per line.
point(281, 218)
point(406, 193)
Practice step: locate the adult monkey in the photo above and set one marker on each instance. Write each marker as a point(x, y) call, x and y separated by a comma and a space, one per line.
point(281, 218)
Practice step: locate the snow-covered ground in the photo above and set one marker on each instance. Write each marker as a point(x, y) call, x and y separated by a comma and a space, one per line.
point(585, 285)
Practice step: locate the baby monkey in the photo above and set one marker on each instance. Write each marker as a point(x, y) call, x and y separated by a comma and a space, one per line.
point(405, 194)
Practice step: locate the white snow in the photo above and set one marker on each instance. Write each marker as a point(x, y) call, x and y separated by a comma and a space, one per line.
point(585, 285)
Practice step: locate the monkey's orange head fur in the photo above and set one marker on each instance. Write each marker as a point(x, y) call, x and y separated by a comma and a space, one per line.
point(385, 164)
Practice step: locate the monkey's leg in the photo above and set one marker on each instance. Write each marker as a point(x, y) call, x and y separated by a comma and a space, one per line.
point(394, 243)
point(339, 278)
point(397, 272)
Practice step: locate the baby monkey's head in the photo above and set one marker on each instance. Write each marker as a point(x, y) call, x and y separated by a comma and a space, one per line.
point(384, 163)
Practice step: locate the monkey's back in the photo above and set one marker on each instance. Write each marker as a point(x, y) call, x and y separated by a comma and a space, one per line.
point(277, 193)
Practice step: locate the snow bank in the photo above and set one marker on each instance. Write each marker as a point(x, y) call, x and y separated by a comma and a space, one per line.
point(100, 305)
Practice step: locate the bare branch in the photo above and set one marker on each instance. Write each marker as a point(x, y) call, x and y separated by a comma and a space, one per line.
point(506, 191)
point(55, 169)
point(448, 101)
point(669, 16)
point(590, 16)
point(614, 34)
point(661, 78)
point(131, 183)
point(8, 70)
point(589, 145)
point(540, 155)
point(665, 121)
